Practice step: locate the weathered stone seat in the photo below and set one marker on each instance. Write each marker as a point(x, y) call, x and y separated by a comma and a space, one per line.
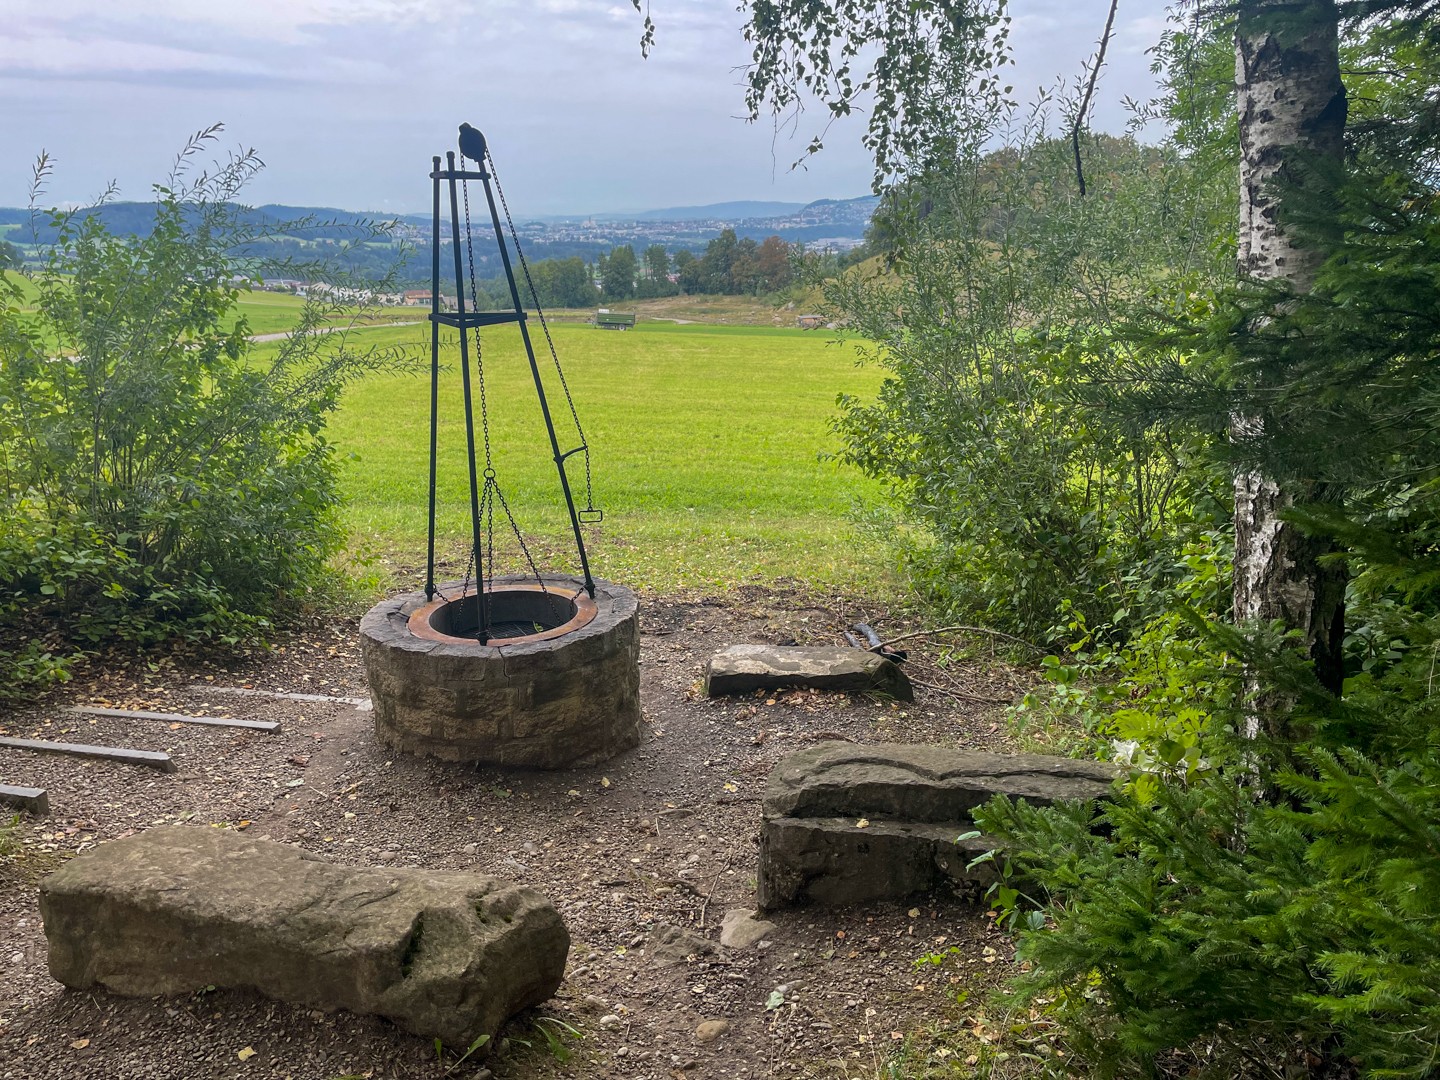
point(172, 910)
point(741, 669)
point(845, 823)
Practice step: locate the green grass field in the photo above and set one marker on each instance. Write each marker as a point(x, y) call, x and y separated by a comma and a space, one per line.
point(274, 313)
point(706, 445)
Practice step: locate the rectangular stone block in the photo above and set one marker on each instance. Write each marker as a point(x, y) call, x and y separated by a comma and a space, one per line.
point(172, 910)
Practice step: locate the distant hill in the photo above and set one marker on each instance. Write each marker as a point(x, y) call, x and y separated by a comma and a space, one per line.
point(725, 211)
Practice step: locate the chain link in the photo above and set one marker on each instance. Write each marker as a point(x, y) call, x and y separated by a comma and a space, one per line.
point(483, 562)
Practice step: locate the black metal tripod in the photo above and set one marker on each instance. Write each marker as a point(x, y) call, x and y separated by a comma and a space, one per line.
point(485, 492)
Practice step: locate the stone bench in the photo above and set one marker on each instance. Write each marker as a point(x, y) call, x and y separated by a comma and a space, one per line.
point(844, 823)
point(742, 669)
point(444, 954)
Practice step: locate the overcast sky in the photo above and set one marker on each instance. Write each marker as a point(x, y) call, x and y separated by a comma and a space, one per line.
point(346, 100)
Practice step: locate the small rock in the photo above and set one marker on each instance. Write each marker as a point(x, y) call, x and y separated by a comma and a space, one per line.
point(677, 812)
point(608, 1021)
point(388, 856)
point(623, 1051)
point(472, 849)
point(740, 929)
point(711, 1030)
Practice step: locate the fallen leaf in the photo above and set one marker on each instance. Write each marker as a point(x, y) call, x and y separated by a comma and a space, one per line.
point(79, 1044)
point(863, 823)
point(604, 781)
point(914, 913)
point(246, 1054)
point(731, 787)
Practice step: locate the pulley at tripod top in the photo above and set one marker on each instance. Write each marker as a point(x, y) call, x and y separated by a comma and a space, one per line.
point(472, 143)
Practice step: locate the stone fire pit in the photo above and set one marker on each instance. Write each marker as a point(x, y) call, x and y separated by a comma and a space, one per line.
point(557, 686)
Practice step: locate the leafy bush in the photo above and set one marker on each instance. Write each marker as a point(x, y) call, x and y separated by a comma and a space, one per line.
point(158, 477)
point(1020, 494)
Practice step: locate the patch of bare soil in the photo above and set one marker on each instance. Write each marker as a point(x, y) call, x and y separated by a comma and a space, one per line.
point(642, 856)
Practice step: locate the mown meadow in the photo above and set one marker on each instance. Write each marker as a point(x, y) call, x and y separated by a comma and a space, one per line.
point(709, 452)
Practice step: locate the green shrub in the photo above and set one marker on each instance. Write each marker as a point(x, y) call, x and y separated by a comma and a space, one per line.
point(156, 478)
point(1195, 924)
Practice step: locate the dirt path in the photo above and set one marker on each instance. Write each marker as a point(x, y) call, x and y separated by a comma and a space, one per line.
point(643, 852)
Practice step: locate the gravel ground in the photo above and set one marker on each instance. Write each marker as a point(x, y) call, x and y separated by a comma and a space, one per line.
point(642, 856)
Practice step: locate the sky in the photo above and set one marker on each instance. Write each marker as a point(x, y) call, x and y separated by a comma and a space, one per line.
point(346, 101)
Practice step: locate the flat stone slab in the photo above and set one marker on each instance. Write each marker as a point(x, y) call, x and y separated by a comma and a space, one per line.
point(921, 783)
point(32, 800)
point(444, 954)
point(743, 669)
point(846, 824)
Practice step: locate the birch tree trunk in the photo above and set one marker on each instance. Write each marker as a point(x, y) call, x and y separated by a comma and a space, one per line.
point(1290, 103)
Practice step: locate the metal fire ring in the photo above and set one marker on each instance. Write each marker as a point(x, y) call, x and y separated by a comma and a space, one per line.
point(420, 625)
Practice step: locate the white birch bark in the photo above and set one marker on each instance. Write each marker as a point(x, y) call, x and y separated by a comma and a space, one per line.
point(1289, 100)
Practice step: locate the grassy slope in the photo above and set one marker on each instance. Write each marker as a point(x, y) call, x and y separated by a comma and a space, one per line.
point(706, 444)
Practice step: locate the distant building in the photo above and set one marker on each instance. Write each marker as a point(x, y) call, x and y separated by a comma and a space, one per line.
point(417, 297)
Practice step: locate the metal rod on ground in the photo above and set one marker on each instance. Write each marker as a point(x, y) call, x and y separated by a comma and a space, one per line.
point(539, 388)
point(121, 754)
point(482, 634)
point(879, 647)
point(434, 366)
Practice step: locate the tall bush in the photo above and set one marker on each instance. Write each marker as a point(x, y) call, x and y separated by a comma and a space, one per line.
point(158, 475)
point(1003, 284)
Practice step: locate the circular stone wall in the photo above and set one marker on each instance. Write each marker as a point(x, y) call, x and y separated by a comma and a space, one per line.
point(564, 696)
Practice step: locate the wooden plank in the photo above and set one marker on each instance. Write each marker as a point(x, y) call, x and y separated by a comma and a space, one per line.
point(120, 754)
point(176, 718)
point(30, 799)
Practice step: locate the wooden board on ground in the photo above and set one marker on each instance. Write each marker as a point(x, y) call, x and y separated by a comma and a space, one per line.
point(32, 800)
point(120, 754)
point(176, 718)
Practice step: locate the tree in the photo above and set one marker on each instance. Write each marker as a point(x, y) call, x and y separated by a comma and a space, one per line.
point(745, 268)
point(657, 264)
point(689, 272)
point(716, 263)
point(772, 261)
point(564, 282)
point(1291, 109)
point(617, 275)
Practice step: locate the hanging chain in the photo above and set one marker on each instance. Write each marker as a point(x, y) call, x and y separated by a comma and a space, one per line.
point(484, 561)
point(544, 327)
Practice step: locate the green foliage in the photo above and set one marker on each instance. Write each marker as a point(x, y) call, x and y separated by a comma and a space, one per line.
point(155, 480)
point(617, 273)
point(1190, 918)
point(917, 69)
point(1028, 496)
point(476, 1044)
point(1146, 700)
